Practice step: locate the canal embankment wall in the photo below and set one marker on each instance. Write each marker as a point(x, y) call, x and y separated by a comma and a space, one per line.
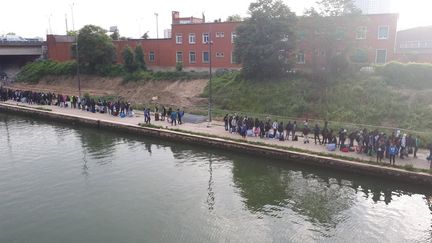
point(243, 147)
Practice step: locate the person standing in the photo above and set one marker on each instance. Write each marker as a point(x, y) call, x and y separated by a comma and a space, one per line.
point(317, 133)
point(294, 129)
point(288, 130)
point(225, 119)
point(306, 131)
point(179, 116)
point(393, 151)
point(275, 126)
point(416, 143)
point(174, 118)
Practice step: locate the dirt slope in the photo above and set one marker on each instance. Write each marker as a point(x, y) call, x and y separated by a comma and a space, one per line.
point(176, 93)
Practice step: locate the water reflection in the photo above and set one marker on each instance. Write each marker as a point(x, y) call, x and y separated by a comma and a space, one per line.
point(99, 145)
point(211, 194)
point(320, 197)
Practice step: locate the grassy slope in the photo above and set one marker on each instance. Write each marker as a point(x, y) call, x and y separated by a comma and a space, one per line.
point(356, 99)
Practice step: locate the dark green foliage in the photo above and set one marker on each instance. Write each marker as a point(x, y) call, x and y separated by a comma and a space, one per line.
point(95, 48)
point(179, 67)
point(115, 35)
point(109, 70)
point(264, 41)
point(164, 76)
point(139, 58)
point(34, 71)
point(411, 75)
point(335, 8)
point(128, 59)
point(325, 29)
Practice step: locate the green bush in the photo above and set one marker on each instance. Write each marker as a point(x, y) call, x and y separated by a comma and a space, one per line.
point(35, 71)
point(411, 75)
point(163, 76)
point(179, 67)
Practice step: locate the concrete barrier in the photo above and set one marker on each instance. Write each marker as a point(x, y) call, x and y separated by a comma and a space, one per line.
point(264, 151)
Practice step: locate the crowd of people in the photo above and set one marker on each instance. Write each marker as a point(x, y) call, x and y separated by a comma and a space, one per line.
point(115, 108)
point(372, 143)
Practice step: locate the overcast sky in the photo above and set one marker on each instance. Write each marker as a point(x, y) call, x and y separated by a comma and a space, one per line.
point(31, 18)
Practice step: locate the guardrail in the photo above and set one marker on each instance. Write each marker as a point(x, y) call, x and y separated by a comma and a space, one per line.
point(20, 43)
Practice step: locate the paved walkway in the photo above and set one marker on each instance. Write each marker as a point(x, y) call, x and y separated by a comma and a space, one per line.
point(217, 128)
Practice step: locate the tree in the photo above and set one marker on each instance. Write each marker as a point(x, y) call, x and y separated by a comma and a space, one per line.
point(328, 30)
point(128, 59)
point(333, 8)
point(234, 18)
point(72, 33)
point(145, 35)
point(265, 40)
point(139, 58)
point(115, 35)
point(95, 47)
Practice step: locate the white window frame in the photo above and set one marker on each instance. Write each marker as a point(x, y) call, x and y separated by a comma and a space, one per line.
point(190, 57)
point(233, 36)
point(388, 32)
point(179, 38)
point(179, 60)
point(152, 54)
point(192, 38)
point(363, 31)
point(376, 56)
point(208, 54)
point(220, 34)
point(205, 38)
point(300, 53)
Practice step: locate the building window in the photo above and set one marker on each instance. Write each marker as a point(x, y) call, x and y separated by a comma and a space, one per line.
point(219, 54)
point(233, 58)
point(340, 33)
point(361, 33)
point(233, 36)
point(192, 57)
point(151, 56)
point(179, 38)
point(383, 32)
point(205, 57)
point(381, 56)
point(179, 57)
point(300, 58)
point(205, 38)
point(220, 34)
point(192, 38)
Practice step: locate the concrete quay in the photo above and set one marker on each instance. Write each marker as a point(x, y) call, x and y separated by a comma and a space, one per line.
point(214, 135)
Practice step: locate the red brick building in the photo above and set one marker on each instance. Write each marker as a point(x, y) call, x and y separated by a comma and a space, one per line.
point(374, 35)
point(414, 45)
point(365, 40)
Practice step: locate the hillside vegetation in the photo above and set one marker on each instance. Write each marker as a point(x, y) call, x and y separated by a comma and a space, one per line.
point(397, 95)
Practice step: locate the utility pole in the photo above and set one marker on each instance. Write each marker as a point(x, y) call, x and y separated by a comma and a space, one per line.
point(49, 23)
point(157, 25)
point(67, 30)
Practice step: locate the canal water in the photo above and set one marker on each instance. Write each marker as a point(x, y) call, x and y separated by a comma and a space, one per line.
point(61, 183)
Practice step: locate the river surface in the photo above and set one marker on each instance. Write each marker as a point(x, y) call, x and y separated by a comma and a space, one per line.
point(61, 183)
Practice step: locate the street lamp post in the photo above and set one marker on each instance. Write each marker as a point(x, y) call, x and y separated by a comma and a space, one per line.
point(76, 52)
point(210, 42)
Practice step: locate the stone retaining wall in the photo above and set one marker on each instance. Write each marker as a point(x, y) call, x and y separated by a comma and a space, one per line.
point(264, 151)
